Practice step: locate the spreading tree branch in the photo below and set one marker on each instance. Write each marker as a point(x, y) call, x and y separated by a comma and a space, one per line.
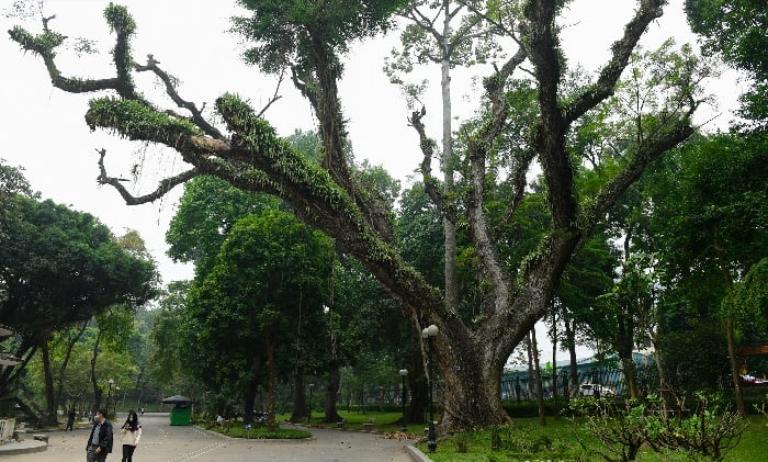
point(170, 88)
point(673, 133)
point(477, 149)
point(163, 188)
point(622, 49)
point(431, 184)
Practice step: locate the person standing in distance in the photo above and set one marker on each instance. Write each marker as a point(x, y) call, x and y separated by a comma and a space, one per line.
point(100, 440)
point(130, 434)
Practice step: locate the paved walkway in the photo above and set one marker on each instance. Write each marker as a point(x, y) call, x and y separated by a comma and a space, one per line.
point(162, 443)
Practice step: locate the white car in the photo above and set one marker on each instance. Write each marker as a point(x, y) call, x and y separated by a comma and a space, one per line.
point(596, 389)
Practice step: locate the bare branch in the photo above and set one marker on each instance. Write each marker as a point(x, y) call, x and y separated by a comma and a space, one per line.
point(275, 97)
point(170, 88)
point(163, 188)
point(648, 11)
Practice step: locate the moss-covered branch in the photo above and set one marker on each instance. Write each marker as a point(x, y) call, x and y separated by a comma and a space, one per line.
point(320, 200)
point(45, 45)
point(136, 121)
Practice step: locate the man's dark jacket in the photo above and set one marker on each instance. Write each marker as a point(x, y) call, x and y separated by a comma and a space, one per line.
point(105, 436)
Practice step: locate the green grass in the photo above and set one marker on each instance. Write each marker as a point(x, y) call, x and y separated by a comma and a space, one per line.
point(261, 433)
point(559, 441)
point(383, 422)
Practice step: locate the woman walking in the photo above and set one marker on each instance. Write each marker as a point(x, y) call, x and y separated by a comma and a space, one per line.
point(130, 435)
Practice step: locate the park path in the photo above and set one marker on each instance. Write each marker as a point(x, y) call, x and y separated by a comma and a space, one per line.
point(162, 443)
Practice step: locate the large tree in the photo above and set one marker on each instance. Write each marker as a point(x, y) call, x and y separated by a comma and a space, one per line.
point(311, 39)
point(60, 267)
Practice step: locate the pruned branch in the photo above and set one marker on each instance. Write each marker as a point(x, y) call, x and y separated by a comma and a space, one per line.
point(170, 88)
point(622, 49)
point(163, 188)
point(431, 185)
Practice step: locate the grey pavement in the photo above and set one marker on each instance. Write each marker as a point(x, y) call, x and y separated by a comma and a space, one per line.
point(162, 443)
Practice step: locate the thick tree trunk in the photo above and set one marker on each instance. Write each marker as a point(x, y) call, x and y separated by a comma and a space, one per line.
point(737, 391)
point(418, 391)
point(271, 384)
point(630, 375)
point(471, 383)
point(50, 393)
point(97, 392)
point(65, 363)
point(730, 335)
point(570, 334)
point(554, 354)
point(537, 373)
point(449, 229)
point(332, 395)
point(252, 390)
point(531, 382)
point(624, 345)
point(299, 412)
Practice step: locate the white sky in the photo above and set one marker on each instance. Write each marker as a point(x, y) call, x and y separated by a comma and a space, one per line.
point(43, 130)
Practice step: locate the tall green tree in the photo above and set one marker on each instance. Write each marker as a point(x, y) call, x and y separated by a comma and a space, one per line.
point(270, 271)
point(736, 30)
point(311, 39)
point(61, 267)
point(709, 215)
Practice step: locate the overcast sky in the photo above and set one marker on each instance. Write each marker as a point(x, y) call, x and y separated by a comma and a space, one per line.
point(42, 129)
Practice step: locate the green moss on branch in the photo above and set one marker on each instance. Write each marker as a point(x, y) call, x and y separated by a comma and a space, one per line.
point(119, 19)
point(42, 44)
point(136, 121)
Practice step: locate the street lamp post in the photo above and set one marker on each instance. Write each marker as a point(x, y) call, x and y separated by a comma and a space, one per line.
point(110, 382)
point(428, 334)
point(114, 402)
point(309, 409)
point(403, 374)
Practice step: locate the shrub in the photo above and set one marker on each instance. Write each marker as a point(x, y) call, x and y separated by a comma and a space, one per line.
point(710, 431)
point(622, 428)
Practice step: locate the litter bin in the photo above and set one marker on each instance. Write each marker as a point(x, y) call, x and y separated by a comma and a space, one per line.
point(181, 414)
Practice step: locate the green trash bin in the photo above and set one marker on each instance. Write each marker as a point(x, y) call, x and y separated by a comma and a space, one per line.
point(181, 414)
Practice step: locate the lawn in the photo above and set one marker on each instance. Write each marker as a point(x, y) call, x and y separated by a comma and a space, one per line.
point(260, 433)
point(382, 422)
point(559, 441)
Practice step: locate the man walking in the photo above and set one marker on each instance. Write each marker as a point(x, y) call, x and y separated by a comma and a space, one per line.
point(100, 440)
point(71, 420)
